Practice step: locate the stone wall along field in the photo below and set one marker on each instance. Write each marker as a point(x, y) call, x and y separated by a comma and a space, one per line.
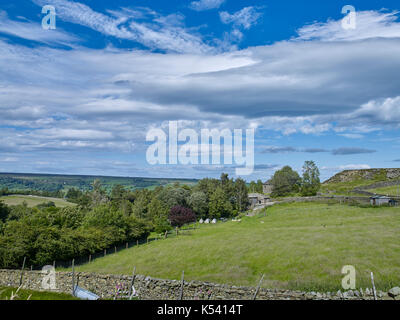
point(148, 288)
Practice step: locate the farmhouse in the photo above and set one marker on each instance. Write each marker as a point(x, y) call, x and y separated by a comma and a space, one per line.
point(267, 187)
point(258, 200)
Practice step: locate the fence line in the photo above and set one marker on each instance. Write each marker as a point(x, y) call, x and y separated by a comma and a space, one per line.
point(90, 257)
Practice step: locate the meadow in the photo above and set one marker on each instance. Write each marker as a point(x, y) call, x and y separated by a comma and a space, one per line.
point(296, 246)
point(33, 201)
point(391, 191)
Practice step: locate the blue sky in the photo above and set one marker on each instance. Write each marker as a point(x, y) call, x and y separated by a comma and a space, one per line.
point(79, 99)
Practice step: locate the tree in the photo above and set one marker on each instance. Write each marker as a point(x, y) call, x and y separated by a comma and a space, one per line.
point(310, 183)
point(259, 186)
point(157, 210)
point(219, 206)
point(4, 211)
point(285, 182)
point(198, 203)
point(98, 194)
point(174, 196)
point(178, 216)
point(242, 198)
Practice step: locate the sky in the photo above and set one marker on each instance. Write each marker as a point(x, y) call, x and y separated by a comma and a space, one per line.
point(80, 98)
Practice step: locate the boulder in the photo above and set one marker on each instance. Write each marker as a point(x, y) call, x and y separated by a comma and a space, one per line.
point(394, 292)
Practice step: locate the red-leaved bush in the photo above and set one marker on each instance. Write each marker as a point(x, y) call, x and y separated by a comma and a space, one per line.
point(179, 215)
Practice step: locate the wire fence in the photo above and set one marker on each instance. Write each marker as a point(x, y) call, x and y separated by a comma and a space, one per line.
point(89, 258)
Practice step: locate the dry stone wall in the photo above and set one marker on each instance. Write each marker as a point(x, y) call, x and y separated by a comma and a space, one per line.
point(149, 288)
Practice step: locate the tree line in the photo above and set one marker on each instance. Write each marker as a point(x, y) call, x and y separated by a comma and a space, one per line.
point(100, 220)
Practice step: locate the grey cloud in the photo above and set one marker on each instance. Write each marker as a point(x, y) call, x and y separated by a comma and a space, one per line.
point(265, 166)
point(277, 149)
point(274, 149)
point(314, 150)
point(351, 150)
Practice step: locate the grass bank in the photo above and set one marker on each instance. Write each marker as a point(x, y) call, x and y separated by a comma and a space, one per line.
point(296, 246)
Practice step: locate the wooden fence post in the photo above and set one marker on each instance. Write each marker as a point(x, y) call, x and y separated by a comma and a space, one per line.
point(105, 252)
point(258, 287)
point(22, 272)
point(182, 282)
point(137, 242)
point(115, 249)
point(90, 258)
point(127, 245)
point(132, 282)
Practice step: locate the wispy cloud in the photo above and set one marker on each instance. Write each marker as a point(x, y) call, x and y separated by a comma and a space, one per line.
point(203, 5)
point(244, 18)
point(33, 31)
point(156, 32)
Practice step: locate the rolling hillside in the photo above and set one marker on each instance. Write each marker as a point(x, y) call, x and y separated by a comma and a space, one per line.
point(347, 181)
point(50, 182)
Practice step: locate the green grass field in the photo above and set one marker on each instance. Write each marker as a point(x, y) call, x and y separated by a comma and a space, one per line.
point(297, 246)
point(391, 191)
point(22, 294)
point(33, 200)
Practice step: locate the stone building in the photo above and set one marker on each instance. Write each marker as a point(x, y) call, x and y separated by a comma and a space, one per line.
point(258, 200)
point(267, 187)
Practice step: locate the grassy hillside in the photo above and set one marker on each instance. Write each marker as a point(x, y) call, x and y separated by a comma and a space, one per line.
point(345, 182)
point(296, 246)
point(391, 191)
point(33, 201)
point(48, 182)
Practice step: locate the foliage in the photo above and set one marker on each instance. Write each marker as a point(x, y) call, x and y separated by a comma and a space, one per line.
point(198, 202)
point(219, 205)
point(310, 183)
point(285, 181)
point(178, 216)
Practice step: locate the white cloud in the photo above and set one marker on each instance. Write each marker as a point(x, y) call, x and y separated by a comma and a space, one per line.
point(383, 111)
point(244, 18)
point(346, 167)
point(203, 5)
point(352, 135)
point(106, 99)
point(369, 24)
point(33, 31)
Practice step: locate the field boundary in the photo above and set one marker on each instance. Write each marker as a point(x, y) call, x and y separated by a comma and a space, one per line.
point(115, 286)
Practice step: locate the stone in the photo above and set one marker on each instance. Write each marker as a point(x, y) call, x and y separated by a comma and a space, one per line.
point(394, 292)
point(350, 293)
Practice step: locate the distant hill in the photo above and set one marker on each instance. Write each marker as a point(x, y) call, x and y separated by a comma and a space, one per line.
point(53, 182)
point(349, 181)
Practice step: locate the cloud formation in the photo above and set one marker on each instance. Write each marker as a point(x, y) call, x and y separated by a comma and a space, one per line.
point(244, 18)
point(350, 151)
point(203, 5)
point(105, 100)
